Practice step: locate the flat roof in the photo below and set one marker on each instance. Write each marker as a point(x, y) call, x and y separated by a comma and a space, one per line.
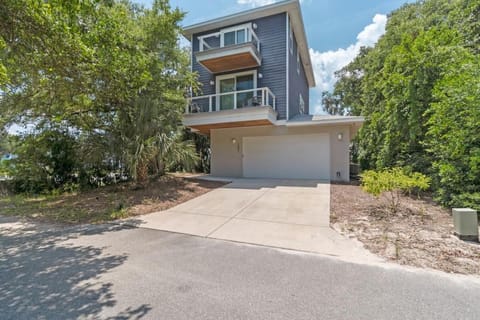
point(292, 7)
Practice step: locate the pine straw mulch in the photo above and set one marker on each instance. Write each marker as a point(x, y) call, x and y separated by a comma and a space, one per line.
point(107, 203)
point(420, 234)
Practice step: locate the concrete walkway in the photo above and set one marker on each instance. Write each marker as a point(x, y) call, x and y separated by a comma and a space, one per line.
point(289, 214)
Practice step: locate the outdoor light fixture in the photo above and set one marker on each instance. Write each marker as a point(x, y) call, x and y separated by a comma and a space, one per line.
point(234, 141)
point(212, 83)
point(340, 136)
point(260, 76)
point(254, 26)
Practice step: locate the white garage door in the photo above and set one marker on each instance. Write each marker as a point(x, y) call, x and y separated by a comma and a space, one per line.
point(287, 157)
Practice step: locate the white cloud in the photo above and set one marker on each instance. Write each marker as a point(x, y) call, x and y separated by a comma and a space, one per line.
point(257, 3)
point(326, 63)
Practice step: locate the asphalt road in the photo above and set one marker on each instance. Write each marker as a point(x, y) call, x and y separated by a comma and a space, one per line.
point(114, 272)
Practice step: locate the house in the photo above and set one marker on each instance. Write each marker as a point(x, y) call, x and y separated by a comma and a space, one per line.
point(255, 73)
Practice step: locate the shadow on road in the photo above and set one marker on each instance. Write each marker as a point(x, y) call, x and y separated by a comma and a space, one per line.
point(41, 277)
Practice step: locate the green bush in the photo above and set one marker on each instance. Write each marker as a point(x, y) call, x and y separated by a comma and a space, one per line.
point(393, 182)
point(467, 200)
point(45, 161)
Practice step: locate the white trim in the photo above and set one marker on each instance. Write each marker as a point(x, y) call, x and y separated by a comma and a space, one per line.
point(226, 116)
point(346, 120)
point(237, 27)
point(288, 65)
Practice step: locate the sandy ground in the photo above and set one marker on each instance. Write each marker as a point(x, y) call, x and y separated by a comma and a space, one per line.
point(420, 234)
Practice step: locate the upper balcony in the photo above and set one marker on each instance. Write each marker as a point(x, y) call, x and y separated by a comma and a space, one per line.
point(229, 49)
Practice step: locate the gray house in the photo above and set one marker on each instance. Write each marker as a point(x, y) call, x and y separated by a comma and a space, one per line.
point(256, 72)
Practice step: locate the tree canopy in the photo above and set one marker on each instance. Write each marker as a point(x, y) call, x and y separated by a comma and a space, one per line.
point(106, 78)
point(419, 91)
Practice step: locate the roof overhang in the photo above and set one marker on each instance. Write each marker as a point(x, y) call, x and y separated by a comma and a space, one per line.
point(326, 120)
point(354, 123)
point(292, 7)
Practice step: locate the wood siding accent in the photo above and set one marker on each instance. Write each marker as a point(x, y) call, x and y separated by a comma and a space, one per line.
point(233, 62)
point(205, 129)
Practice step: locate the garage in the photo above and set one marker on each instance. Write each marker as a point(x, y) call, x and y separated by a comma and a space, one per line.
point(287, 156)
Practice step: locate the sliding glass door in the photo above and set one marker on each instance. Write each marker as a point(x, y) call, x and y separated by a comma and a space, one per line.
point(234, 83)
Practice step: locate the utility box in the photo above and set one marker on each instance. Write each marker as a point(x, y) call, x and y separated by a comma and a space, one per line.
point(465, 221)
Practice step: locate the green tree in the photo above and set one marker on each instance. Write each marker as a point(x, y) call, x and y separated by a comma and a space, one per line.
point(400, 84)
point(110, 71)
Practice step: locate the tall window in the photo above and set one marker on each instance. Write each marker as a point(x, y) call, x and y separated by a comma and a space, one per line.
point(291, 41)
point(298, 61)
point(301, 104)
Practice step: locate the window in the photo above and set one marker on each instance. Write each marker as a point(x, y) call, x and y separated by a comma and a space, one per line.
point(301, 104)
point(298, 62)
point(235, 35)
point(291, 41)
point(245, 82)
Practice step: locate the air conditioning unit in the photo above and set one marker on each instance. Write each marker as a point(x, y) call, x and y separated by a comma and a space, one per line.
point(465, 221)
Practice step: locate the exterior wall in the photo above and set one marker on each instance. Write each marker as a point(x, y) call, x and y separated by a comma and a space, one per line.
point(297, 83)
point(271, 32)
point(227, 156)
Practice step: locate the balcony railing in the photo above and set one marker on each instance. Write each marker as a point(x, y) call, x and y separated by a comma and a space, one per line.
point(231, 100)
point(229, 37)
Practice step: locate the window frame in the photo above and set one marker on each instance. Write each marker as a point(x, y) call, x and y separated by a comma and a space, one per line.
point(245, 27)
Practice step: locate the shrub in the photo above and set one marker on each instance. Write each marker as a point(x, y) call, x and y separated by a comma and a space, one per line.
point(467, 200)
point(393, 182)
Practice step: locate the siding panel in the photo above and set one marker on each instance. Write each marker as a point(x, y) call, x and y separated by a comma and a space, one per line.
point(297, 84)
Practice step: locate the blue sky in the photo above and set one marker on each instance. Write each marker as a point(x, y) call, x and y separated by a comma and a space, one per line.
point(335, 29)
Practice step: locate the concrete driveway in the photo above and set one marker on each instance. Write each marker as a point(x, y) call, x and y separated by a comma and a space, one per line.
point(289, 214)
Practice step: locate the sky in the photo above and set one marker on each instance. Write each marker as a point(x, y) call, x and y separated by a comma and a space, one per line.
point(336, 29)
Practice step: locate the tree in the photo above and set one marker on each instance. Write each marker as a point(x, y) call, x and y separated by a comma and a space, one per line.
point(110, 71)
point(333, 104)
point(403, 87)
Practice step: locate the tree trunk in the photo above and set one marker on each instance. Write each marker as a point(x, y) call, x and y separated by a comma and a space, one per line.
point(142, 172)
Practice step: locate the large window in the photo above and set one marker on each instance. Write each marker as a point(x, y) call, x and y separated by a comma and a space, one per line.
point(235, 35)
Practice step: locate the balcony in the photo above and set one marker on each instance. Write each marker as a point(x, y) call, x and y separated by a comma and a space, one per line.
point(244, 108)
point(229, 49)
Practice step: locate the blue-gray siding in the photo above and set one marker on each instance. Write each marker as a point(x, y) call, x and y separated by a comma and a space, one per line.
point(273, 38)
point(298, 84)
point(272, 34)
